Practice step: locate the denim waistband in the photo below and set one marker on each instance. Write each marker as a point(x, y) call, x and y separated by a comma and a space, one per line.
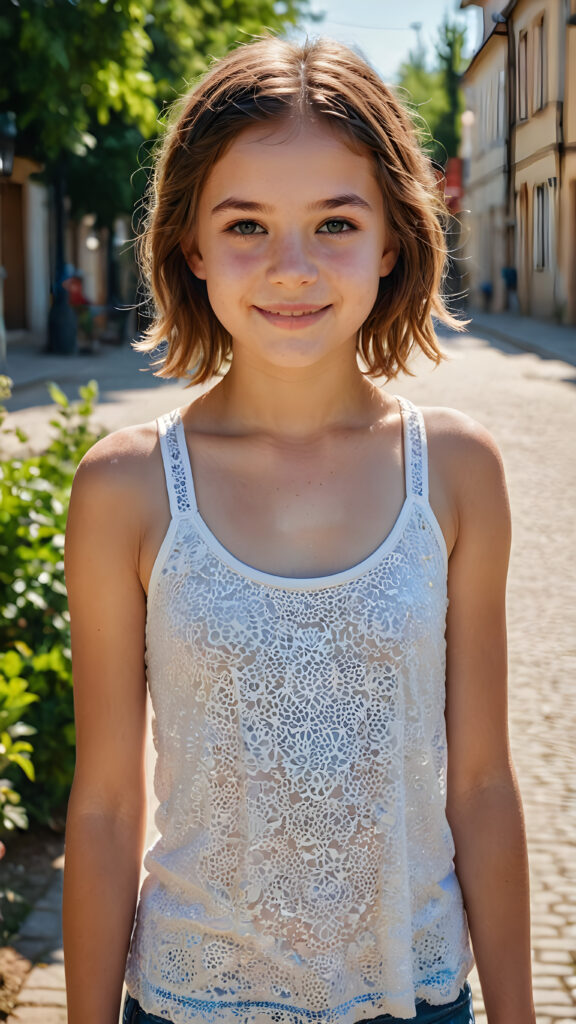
point(459, 1011)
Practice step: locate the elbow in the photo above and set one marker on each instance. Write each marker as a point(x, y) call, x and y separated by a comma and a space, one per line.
point(493, 790)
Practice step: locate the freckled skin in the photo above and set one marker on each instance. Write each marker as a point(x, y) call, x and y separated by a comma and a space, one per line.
point(290, 253)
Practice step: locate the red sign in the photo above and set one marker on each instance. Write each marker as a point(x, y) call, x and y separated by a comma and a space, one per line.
point(453, 185)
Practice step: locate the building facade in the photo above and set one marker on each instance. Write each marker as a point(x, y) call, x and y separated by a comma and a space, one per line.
point(24, 229)
point(27, 247)
point(520, 182)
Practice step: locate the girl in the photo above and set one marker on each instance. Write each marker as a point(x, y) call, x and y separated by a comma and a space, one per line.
point(338, 810)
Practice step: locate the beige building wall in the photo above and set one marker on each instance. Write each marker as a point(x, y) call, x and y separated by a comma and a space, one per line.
point(567, 189)
point(24, 248)
point(536, 225)
point(537, 28)
point(91, 258)
point(485, 202)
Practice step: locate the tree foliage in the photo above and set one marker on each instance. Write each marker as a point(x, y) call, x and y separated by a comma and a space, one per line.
point(66, 64)
point(88, 79)
point(434, 93)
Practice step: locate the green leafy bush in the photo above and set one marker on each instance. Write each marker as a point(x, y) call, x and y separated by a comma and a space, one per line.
point(35, 662)
point(14, 700)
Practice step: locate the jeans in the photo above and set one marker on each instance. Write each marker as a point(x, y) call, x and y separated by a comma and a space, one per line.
point(458, 1012)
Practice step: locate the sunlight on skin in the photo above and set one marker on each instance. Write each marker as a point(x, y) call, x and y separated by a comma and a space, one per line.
point(292, 265)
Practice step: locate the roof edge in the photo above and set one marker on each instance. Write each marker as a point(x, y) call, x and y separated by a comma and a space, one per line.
point(498, 30)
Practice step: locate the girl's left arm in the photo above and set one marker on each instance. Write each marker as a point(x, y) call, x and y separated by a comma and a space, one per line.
point(483, 802)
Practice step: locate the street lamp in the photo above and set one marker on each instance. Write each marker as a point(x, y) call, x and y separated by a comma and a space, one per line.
point(7, 142)
point(7, 148)
point(62, 326)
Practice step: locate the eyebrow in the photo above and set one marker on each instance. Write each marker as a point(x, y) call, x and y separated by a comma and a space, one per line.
point(248, 206)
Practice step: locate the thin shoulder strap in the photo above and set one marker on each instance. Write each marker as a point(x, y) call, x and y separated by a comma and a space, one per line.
point(415, 450)
point(176, 461)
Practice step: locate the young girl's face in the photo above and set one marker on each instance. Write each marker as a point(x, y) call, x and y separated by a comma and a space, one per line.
point(292, 241)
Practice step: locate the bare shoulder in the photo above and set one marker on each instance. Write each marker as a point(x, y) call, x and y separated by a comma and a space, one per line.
point(117, 491)
point(462, 449)
point(121, 472)
point(119, 458)
point(467, 479)
point(456, 434)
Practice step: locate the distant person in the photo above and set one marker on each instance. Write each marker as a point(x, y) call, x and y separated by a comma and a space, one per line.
point(340, 825)
point(74, 285)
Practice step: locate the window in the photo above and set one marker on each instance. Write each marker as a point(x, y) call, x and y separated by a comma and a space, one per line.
point(489, 113)
point(480, 126)
point(501, 106)
point(522, 254)
point(519, 233)
point(539, 66)
point(523, 76)
point(541, 227)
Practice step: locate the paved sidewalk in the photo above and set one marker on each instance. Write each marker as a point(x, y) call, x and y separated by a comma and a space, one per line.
point(30, 367)
point(484, 384)
point(42, 1000)
point(547, 339)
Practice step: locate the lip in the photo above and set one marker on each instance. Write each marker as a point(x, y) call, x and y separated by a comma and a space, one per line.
point(292, 316)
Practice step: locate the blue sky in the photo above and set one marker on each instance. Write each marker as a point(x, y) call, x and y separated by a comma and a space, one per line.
point(381, 28)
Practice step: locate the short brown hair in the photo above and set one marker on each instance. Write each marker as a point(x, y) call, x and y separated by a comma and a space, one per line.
point(271, 80)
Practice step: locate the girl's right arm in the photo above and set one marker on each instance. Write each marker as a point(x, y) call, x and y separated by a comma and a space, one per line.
point(106, 819)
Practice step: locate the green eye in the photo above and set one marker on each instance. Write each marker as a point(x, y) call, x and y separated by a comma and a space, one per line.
point(336, 227)
point(246, 227)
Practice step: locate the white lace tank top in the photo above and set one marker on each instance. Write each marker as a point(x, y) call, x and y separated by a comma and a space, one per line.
point(304, 869)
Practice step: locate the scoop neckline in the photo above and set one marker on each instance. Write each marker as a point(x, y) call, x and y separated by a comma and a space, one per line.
point(300, 582)
point(294, 582)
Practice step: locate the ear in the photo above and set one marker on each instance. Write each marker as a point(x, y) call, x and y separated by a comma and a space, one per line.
point(194, 261)
point(389, 258)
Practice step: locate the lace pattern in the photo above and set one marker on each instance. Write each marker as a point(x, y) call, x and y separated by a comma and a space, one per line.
point(304, 869)
point(171, 443)
point(415, 446)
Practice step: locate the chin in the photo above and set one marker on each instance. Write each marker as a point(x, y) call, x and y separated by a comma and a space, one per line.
point(306, 352)
point(296, 360)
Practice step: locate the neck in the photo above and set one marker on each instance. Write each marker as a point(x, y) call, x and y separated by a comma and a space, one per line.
point(297, 403)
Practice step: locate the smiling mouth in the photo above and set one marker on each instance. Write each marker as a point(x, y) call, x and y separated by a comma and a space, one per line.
point(290, 314)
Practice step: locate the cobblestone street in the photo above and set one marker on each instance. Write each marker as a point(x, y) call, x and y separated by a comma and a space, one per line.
point(528, 403)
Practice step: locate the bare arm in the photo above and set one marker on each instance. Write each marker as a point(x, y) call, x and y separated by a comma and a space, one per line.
point(484, 807)
point(106, 815)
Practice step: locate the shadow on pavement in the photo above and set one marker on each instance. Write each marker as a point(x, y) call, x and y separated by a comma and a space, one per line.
point(116, 369)
point(509, 348)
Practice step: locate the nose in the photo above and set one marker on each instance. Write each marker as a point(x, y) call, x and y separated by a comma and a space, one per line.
point(291, 262)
